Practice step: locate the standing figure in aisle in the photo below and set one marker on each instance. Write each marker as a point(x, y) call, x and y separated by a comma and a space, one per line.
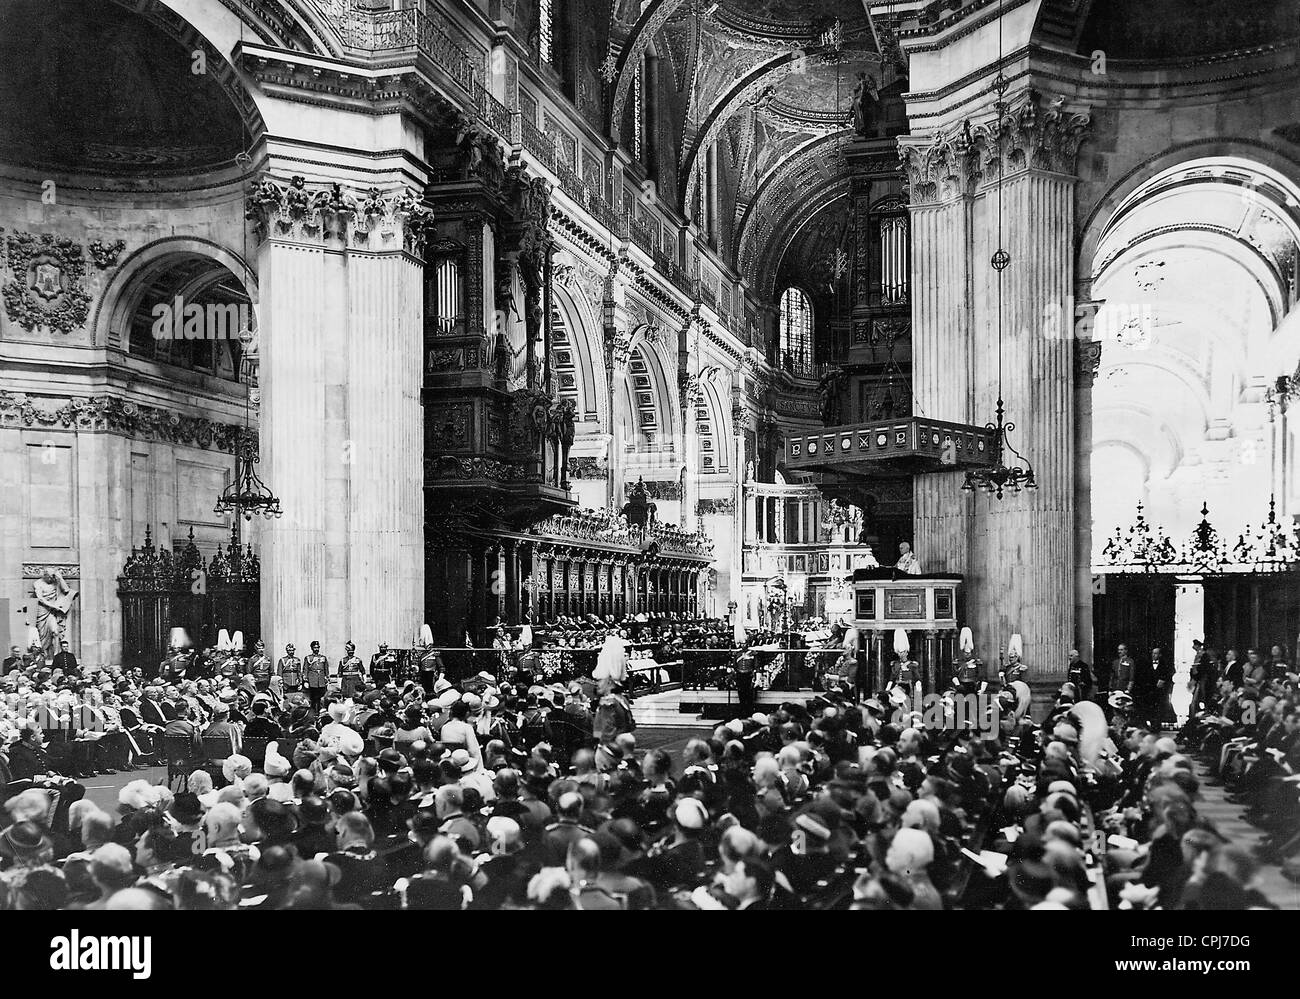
point(905, 677)
point(260, 666)
point(316, 674)
point(382, 665)
point(290, 670)
point(1015, 669)
point(351, 669)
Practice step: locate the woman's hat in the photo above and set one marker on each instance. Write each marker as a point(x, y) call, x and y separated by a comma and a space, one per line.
point(25, 839)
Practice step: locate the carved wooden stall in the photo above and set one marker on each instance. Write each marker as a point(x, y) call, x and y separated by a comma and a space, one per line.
point(161, 590)
point(497, 436)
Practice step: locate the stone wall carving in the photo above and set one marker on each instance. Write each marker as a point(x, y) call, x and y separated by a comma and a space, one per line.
point(372, 218)
point(660, 490)
point(1027, 134)
point(114, 415)
point(725, 506)
point(47, 288)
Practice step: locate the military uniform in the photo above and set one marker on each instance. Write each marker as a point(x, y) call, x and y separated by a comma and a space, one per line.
point(430, 667)
point(261, 668)
point(175, 666)
point(967, 675)
point(904, 674)
point(316, 671)
point(1015, 671)
point(290, 670)
point(351, 670)
point(382, 665)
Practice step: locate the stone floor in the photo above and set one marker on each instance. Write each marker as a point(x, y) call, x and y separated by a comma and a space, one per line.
point(1226, 817)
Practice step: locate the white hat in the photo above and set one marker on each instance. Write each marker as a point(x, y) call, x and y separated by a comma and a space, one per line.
point(179, 639)
point(426, 635)
point(966, 642)
point(690, 813)
point(223, 640)
point(1016, 646)
point(448, 697)
point(900, 641)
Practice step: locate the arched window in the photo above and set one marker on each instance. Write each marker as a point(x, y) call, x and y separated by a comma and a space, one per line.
point(796, 331)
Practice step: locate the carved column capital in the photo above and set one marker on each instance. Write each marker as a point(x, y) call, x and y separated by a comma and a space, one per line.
point(372, 219)
point(1087, 361)
point(1026, 133)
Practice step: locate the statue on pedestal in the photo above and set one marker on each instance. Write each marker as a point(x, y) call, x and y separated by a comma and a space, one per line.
point(53, 606)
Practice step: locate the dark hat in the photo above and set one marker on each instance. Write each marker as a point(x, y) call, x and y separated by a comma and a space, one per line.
point(23, 838)
point(186, 808)
point(43, 889)
point(424, 822)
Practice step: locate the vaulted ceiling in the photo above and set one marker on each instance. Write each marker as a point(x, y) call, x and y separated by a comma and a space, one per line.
point(769, 84)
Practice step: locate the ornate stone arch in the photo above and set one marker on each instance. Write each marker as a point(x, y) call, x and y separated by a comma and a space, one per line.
point(130, 280)
point(585, 364)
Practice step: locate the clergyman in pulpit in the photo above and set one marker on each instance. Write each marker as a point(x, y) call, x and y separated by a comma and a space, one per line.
point(54, 600)
point(907, 561)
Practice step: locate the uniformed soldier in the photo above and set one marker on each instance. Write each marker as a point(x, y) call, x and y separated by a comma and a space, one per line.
point(260, 666)
point(316, 673)
point(967, 674)
point(905, 674)
point(1015, 669)
point(351, 670)
point(430, 668)
point(290, 670)
point(382, 664)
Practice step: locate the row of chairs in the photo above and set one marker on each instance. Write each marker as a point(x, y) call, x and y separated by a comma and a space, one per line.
point(182, 758)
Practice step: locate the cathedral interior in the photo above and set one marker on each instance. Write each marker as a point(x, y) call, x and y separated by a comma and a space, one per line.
point(328, 319)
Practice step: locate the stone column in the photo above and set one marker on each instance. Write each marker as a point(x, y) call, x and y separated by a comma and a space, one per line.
point(341, 306)
point(940, 179)
point(1020, 562)
point(1087, 360)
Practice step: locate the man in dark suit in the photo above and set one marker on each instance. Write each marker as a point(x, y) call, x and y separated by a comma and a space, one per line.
point(1151, 685)
point(65, 660)
point(1079, 673)
point(151, 712)
point(14, 660)
point(1234, 670)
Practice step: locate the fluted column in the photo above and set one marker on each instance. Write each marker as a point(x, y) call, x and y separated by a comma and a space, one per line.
point(1024, 552)
point(1018, 554)
point(1087, 360)
point(942, 355)
point(301, 442)
point(340, 316)
point(386, 509)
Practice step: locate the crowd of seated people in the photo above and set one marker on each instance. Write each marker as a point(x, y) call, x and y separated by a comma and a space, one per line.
point(500, 793)
point(1245, 726)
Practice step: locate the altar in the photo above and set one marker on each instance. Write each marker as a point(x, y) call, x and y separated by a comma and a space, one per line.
point(926, 607)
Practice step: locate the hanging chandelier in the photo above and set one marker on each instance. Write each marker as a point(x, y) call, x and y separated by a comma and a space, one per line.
point(1000, 478)
point(247, 495)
